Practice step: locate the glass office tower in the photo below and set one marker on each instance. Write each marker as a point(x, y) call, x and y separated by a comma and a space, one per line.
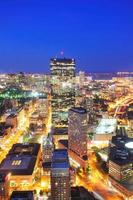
point(63, 89)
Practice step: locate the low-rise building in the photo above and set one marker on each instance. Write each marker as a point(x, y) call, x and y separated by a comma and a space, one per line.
point(22, 162)
point(105, 130)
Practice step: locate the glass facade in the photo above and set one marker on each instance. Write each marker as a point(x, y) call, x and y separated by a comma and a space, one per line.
point(63, 89)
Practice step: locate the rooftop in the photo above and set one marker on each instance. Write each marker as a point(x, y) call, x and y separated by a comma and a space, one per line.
point(46, 165)
point(21, 159)
point(28, 148)
point(60, 131)
point(80, 193)
point(64, 143)
point(120, 156)
point(121, 140)
point(62, 60)
point(60, 159)
point(79, 110)
point(24, 195)
point(12, 115)
point(106, 126)
point(18, 164)
point(128, 184)
point(129, 145)
point(48, 140)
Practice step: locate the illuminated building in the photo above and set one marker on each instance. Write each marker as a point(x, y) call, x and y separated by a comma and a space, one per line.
point(48, 148)
point(60, 175)
point(81, 78)
point(63, 89)
point(4, 185)
point(37, 122)
point(15, 92)
point(47, 152)
point(105, 130)
point(12, 120)
point(22, 161)
point(77, 131)
point(121, 164)
point(130, 116)
point(60, 133)
point(72, 176)
point(22, 195)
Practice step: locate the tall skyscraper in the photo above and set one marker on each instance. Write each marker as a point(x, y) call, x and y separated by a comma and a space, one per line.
point(60, 175)
point(63, 89)
point(77, 131)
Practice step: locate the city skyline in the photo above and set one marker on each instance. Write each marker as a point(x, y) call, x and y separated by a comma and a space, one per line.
point(66, 135)
point(98, 35)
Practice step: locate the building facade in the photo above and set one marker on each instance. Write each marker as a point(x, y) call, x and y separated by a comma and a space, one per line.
point(121, 164)
point(60, 175)
point(4, 185)
point(48, 148)
point(63, 89)
point(22, 162)
point(77, 131)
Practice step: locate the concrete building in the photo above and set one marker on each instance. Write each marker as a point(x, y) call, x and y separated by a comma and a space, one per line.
point(22, 162)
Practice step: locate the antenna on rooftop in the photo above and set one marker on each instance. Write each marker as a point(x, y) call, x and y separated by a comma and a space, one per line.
point(62, 53)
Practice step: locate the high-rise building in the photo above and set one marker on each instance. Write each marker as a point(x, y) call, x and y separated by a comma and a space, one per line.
point(77, 131)
point(121, 163)
point(81, 78)
point(63, 89)
point(48, 148)
point(60, 175)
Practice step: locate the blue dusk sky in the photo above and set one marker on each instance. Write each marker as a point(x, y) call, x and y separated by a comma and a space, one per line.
point(97, 33)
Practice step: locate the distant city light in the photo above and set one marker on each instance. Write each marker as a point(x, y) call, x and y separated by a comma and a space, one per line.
point(34, 94)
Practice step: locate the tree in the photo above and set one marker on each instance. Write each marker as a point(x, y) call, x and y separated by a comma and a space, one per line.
point(79, 170)
point(95, 149)
point(90, 135)
point(88, 170)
